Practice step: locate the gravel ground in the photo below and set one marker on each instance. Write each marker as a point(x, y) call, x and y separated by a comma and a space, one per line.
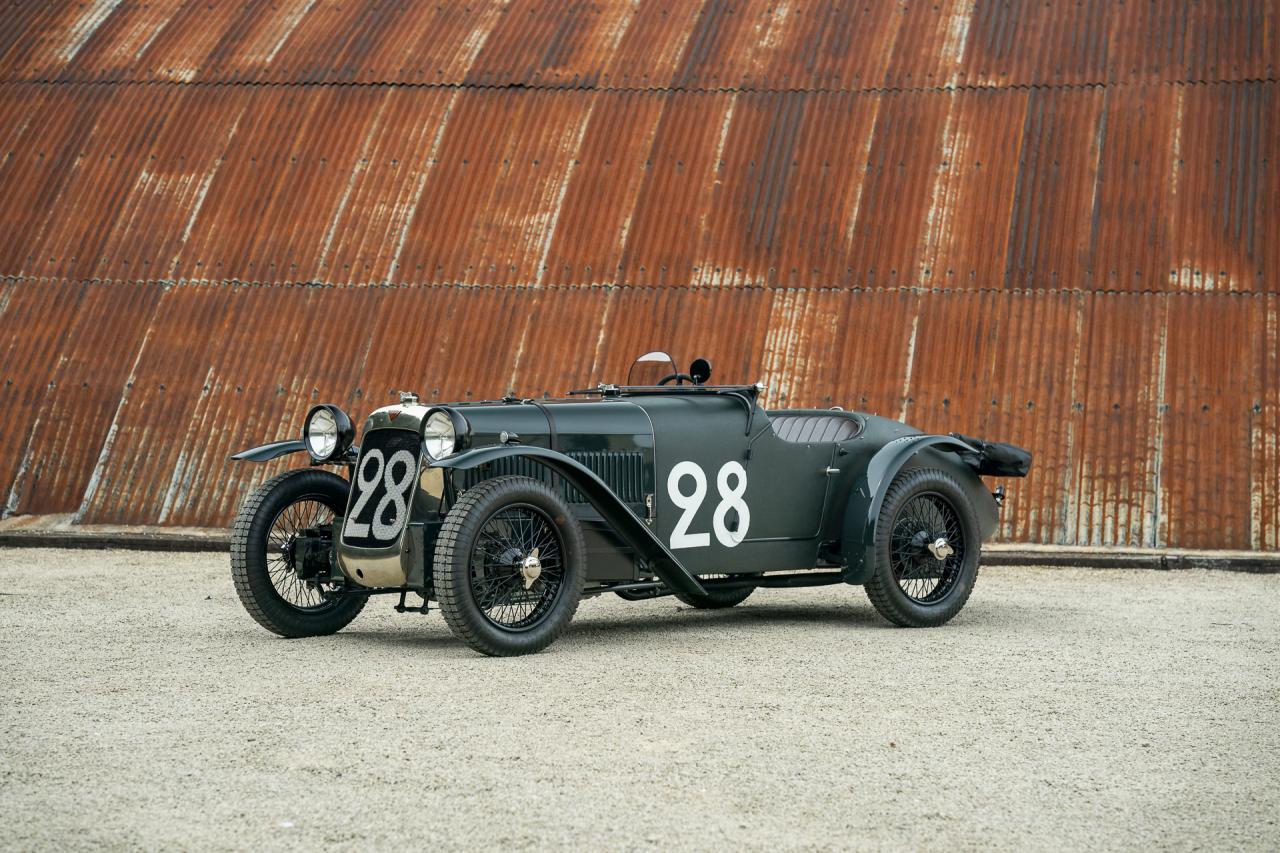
point(1062, 709)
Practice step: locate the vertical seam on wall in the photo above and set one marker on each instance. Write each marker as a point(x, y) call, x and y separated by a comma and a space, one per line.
point(108, 443)
point(1155, 537)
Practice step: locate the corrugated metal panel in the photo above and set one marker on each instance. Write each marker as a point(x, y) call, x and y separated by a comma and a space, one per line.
point(1033, 398)
point(67, 433)
point(1126, 188)
point(1152, 416)
point(33, 317)
point(1116, 477)
point(839, 348)
point(728, 328)
point(454, 344)
point(716, 44)
point(278, 351)
point(1054, 195)
point(1264, 427)
point(1128, 240)
point(1031, 221)
point(598, 207)
point(1224, 186)
point(1212, 357)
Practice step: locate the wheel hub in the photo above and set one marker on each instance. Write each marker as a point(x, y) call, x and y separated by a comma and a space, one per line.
point(289, 552)
point(940, 548)
point(531, 568)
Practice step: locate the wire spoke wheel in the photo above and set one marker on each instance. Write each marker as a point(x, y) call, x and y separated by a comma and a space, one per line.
point(266, 554)
point(928, 544)
point(927, 548)
point(517, 566)
point(282, 556)
point(509, 566)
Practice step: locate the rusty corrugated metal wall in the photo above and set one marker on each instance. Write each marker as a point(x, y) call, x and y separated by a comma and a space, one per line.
point(1054, 223)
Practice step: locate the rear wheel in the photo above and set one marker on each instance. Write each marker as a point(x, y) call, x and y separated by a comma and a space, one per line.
point(927, 550)
point(717, 599)
point(509, 566)
point(640, 595)
point(263, 555)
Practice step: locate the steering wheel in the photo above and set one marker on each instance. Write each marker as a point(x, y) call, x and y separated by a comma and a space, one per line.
point(680, 378)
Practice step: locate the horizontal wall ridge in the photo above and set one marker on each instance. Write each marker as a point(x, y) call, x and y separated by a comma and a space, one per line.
point(597, 87)
point(626, 287)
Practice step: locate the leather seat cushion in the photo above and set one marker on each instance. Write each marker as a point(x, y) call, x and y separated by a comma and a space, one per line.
point(810, 429)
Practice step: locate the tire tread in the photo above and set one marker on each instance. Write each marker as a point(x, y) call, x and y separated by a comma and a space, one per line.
point(454, 598)
point(881, 589)
point(253, 595)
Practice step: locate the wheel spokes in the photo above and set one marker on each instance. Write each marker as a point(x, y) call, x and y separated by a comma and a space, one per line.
point(281, 538)
point(505, 541)
point(923, 520)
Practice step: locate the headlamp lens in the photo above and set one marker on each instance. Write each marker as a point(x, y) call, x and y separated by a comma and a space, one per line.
point(322, 435)
point(438, 436)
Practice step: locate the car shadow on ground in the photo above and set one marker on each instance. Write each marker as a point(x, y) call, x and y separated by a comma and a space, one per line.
point(645, 621)
point(689, 619)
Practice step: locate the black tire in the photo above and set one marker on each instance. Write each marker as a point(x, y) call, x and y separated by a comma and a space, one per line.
point(643, 595)
point(278, 602)
point(910, 586)
point(716, 599)
point(486, 599)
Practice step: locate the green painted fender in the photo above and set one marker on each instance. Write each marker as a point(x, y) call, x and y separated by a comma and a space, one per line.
point(625, 522)
point(270, 451)
point(863, 509)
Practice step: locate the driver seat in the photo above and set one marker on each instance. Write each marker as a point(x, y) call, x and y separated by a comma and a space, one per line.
point(812, 428)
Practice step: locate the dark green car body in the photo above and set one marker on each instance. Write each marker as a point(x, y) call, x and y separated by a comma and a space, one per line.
point(668, 483)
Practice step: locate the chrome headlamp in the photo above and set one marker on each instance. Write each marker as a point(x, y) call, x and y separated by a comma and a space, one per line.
point(439, 436)
point(327, 433)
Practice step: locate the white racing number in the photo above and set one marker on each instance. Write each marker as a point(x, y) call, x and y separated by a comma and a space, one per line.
point(681, 537)
point(395, 475)
point(730, 499)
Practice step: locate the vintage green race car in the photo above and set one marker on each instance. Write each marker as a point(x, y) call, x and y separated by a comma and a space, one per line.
point(506, 513)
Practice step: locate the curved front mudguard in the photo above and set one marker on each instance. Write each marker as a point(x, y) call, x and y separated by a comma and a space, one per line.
point(267, 452)
point(863, 509)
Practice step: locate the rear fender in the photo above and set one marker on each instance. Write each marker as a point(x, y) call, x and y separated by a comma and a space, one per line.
point(625, 522)
point(863, 509)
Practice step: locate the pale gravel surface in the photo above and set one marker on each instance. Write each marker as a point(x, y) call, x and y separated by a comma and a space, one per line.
point(142, 708)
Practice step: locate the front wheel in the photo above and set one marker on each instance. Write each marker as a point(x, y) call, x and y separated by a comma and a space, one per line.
point(927, 549)
point(509, 566)
point(263, 555)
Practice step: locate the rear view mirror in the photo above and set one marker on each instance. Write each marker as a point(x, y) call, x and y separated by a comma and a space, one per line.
point(700, 370)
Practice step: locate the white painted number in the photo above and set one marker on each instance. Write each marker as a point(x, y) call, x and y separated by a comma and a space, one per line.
point(730, 499)
point(394, 496)
point(681, 537)
point(354, 528)
point(374, 468)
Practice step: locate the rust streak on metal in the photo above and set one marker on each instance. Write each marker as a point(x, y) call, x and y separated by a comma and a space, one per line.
point(1049, 223)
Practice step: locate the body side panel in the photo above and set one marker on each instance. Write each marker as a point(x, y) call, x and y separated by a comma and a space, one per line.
point(729, 501)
